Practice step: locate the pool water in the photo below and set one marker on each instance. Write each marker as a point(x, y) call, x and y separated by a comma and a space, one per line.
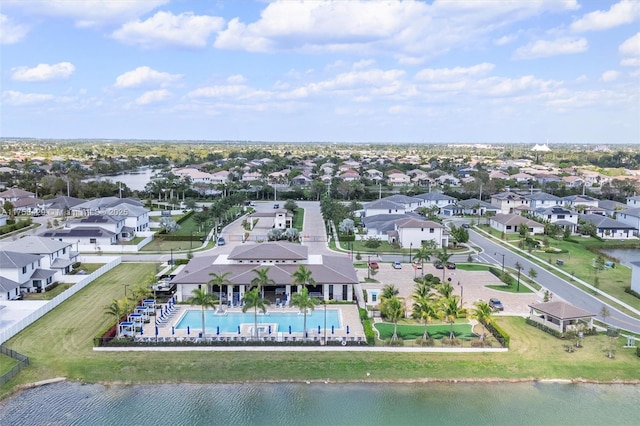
point(230, 321)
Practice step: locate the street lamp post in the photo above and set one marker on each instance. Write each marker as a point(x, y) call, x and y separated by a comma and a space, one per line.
point(461, 292)
point(410, 247)
point(171, 259)
point(501, 254)
point(519, 267)
point(191, 240)
point(368, 266)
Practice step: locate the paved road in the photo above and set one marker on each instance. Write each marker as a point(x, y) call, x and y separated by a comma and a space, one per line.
point(493, 253)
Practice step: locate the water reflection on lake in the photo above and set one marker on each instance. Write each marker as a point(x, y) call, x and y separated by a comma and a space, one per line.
point(624, 256)
point(136, 181)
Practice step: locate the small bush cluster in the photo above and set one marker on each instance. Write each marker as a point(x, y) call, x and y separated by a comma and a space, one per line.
point(367, 324)
point(397, 342)
point(501, 336)
point(632, 292)
point(14, 226)
point(420, 341)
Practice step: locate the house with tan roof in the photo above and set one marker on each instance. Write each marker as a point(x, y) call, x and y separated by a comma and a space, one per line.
point(398, 179)
point(509, 202)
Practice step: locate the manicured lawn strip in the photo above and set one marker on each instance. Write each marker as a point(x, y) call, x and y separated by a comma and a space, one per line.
point(298, 219)
point(511, 289)
point(472, 267)
point(49, 294)
point(436, 331)
point(159, 245)
point(60, 344)
point(6, 363)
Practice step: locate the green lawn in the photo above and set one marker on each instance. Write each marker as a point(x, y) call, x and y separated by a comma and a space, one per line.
point(60, 344)
point(298, 219)
point(436, 331)
point(472, 267)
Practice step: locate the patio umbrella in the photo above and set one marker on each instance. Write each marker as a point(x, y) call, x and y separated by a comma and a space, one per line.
point(289, 329)
point(332, 330)
point(318, 329)
point(347, 329)
point(141, 331)
point(218, 330)
point(173, 330)
point(156, 330)
point(238, 329)
point(188, 330)
point(269, 329)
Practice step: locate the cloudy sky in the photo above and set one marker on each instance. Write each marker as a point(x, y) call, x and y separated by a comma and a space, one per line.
point(347, 71)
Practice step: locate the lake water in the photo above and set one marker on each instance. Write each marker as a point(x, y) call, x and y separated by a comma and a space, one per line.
point(325, 404)
point(624, 256)
point(230, 322)
point(136, 181)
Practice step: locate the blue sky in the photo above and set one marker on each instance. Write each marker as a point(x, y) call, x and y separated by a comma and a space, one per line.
point(345, 71)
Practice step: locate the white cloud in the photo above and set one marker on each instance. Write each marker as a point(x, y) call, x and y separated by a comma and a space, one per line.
point(89, 13)
point(11, 32)
point(145, 77)
point(43, 72)
point(407, 30)
point(153, 96)
point(546, 48)
point(166, 29)
point(624, 12)
point(237, 92)
point(435, 74)
point(630, 49)
point(236, 79)
point(13, 97)
point(609, 76)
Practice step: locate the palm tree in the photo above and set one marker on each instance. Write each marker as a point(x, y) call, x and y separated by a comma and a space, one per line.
point(445, 289)
point(302, 300)
point(389, 291)
point(204, 299)
point(393, 310)
point(443, 258)
point(262, 280)
point(423, 254)
point(421, 289)
point(424, 309)
point(482, 313)
point(302, 276)
point(449, 311)
point(117, 308)
point(252, 299)
point(219, 280)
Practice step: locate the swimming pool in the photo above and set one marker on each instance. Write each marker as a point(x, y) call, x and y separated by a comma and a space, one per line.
point(279, 321)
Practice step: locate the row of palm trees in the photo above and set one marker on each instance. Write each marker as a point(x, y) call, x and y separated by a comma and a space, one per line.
point(427, 250)
point(429, 305)
point(254, 298)
point(119, 307)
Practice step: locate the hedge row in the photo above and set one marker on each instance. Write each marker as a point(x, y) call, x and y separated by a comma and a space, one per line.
point(500, 335)
point(544, 328)
point(632, 292)
point(166, 237)
point(14, 226)
point(367, 324)
point(185, 217)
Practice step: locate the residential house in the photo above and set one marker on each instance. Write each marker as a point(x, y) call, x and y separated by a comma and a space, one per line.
point(350, 176)
point(301, 180)
point(55, 255)
point(410, 203)
point(374, 174)
point(61, 206)
point(608, 228)
point(448, 179)
point(383, 207)
point(580, 202)
point(251, 177)
point(542, 200)
point(220, 178)
point(136, 215)
point(511, 224)
point(573, 181)
point(470, 207)
point(412, 232)
point(611, 207)
point(558, 215)
point(509, 202)
point(15, 194)
point(435, 199)
point(498, 175)
point(398, 179)
point(195, 176)
point(629, 217)
point(633, 201)
point(545, 178)
point(19, 270)
point(334, 275)
point(521, 177)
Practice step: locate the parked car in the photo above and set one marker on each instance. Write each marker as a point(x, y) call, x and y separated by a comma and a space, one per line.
point(451, 265)
point(221, 241)
point(417, 264)
point(465, 225)
point(252, 203)
point(373, 264)
point(276, 206)
point(438, 265)
point(496, 304)
point(396, 265)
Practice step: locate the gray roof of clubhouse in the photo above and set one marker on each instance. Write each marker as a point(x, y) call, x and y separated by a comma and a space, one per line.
point(279, 250)
point(402, 199)
point(332, 270)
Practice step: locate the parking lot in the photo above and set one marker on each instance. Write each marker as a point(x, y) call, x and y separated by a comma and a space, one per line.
point(470, 284)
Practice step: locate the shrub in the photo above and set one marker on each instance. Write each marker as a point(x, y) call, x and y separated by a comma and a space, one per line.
point(501, 336)
point(446, 341)
point(632, 292)
point(424, 342)
point(638, 351)
point(397, 342)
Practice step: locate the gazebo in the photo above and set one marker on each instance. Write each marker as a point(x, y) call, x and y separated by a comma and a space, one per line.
point(559, 315)
point(126, 329)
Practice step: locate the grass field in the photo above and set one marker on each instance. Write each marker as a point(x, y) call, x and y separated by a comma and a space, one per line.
point(436, 331)
point(60, 344)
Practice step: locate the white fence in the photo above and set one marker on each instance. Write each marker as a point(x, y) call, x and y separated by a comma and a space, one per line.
point(20, 325)
point(116, 248)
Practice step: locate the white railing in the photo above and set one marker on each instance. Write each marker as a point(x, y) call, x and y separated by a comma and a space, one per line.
point(20, 325)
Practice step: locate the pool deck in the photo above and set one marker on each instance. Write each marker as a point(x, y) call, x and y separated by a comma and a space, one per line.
point(349, 315)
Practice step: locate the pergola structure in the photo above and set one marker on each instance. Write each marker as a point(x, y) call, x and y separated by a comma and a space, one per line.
point(559, 315)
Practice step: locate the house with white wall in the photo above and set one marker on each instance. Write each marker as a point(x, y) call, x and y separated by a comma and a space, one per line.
point(629, 217)
point(411, 232)
point(509, 202)
point(542, 200)
point(557, 215)
point(610, 229)
point(398, 179)
point(511, 224)
point(383, 207)
point(633, 201)
point(22, 273)
point(435, 199)
point(55, 255)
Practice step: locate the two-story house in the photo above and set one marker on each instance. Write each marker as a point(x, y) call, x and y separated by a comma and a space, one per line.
point(412, 232)
point(558, 215)
point(509, 202)
point(542, 200)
